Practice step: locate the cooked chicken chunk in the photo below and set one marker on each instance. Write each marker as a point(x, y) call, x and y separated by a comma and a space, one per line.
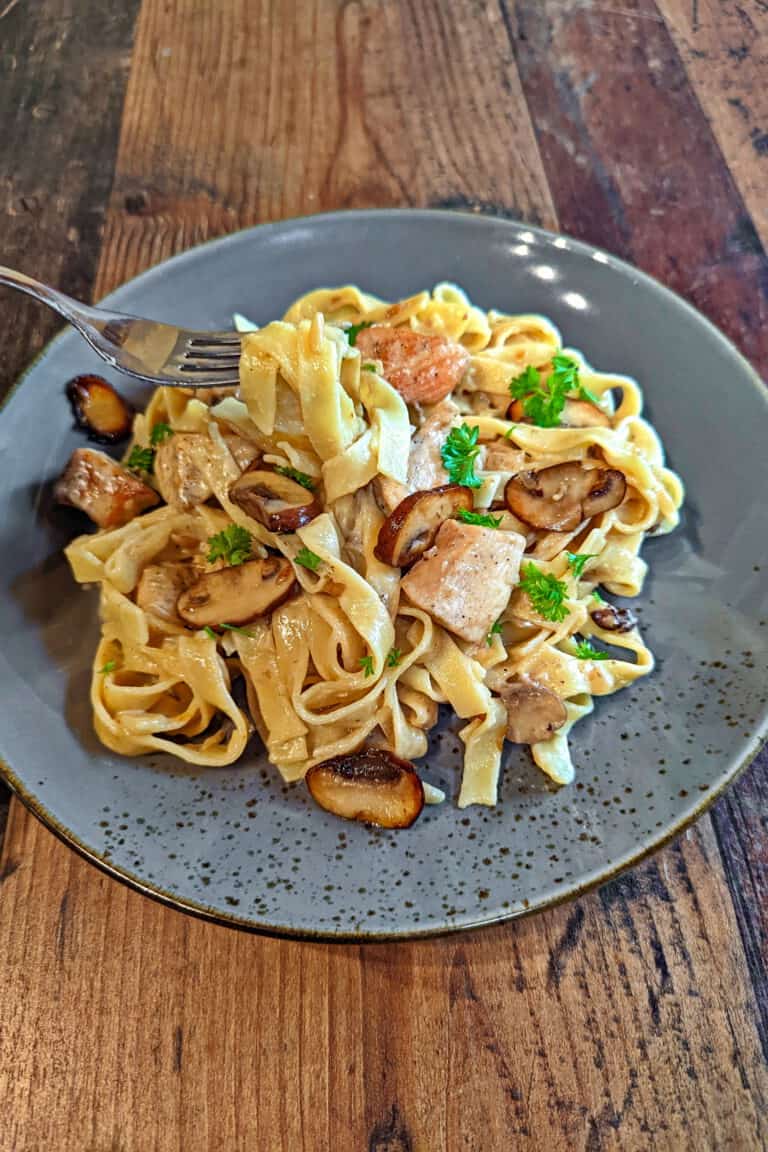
point(243, 451)
point(180, 469)
point(423, 368)
point(465, 581)
point(103, 489)
point(425, 464)
point(161, 585)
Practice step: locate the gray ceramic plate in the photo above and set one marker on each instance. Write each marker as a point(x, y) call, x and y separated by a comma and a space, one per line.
point(236, 845)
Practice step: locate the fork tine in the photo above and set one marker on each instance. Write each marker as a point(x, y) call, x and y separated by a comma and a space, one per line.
point(214, 340)
point(208, 367)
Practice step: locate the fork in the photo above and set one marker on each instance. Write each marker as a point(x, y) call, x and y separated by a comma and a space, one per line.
point(146, 349)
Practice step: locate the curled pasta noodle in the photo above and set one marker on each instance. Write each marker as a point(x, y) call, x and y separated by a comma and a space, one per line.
point(347, 661)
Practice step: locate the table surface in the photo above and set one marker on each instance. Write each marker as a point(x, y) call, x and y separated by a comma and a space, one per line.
point(635, 1017)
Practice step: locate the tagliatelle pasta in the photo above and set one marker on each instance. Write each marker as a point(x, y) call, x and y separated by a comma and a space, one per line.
point(362, 651)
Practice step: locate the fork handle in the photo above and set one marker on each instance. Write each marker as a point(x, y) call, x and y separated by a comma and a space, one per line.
point(61, 303)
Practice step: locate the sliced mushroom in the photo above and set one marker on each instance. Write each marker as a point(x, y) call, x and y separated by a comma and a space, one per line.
point(575, 414)
point(373, 786)
point(410, 530)
point(560, 497)
point(238, 594)
point(98, 409)
point(278, 502)
point(614, 619)
point(533, 711)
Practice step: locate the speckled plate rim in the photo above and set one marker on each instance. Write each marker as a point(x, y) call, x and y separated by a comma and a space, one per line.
point(730, 773)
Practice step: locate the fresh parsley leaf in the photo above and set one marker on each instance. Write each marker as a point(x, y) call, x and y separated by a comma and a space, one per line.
point(210, 632)
point(233, 545)
point(300, 477)
point(495, 630)
point(543, 405)
point(458, 454)
point(546, 593)
point(510, 432)
point(108, 667)
point(308, 559)
point(354, 329)
point(597, 596)
point(586, 651)
point(482, 519)
point(566, 372)
point(366, 663)
point(578, 560)
point(394, 658)
point(160, 433)
point(369, 367)
point(236, 628)
point(141, 459)
point(585, 394)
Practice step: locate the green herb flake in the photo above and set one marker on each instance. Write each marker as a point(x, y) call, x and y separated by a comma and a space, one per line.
point(394, 658)
point(586, 651)
point(546, 593)
point(108, 667)
point(459, 453)
point(308, 559)
point(159, 434)
point(210, 632)
point(236, 628)
point(354, 330)
point(481, 519)
point(597, 596)
point(510, 432)
point(369, 367)
point(234, 545)
point(366, 664)
point(495, 630)
point(141, 459)
point(300, 477)
point(578, 560)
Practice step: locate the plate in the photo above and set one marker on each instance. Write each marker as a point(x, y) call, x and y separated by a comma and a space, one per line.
point(236, 844)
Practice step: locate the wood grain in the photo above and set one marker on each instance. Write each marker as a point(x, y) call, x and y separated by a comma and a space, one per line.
point(631, 159)
point(724, 47)
point(626, 1020)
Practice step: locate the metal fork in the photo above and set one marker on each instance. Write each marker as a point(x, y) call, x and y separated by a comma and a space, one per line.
point(145, 349)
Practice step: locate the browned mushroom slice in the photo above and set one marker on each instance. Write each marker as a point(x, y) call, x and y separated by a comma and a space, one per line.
point(533, 711)
point(238, 594)
point(278, 502)
point(575, 414)
point(98, 409)
point(560, 497)
point(613, 619)
point(410, 530)
point(373, 786)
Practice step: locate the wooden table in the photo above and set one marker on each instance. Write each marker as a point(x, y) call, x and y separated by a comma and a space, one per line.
point(634, 1018)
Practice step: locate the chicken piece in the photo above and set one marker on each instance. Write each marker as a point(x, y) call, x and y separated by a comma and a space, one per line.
point(161, 585)
point(103, 489)
point(465, 581)
point(421, 367)
point(180, 469)
point(425, 464)
point(501, 456)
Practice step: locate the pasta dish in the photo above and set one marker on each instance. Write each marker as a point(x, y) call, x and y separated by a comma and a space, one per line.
point(403, 505)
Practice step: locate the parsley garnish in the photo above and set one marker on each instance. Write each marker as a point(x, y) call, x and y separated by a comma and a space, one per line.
point(509, 432)
point(210, 632)
point(308, 559)
point(597, 596)
point(233, 545)
point(545, 592)
point(141, 459)
point(482, 519)
point(495, 629)
point(108, 667)
point(394, 658)
point(459, 453)
point(543, 403)
point(585, 651)
point(236, 628)
point(369, 367)
point(577, 561)
point(160, 433)
point(366, 663)
point(300, 477)
point(354, 329)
